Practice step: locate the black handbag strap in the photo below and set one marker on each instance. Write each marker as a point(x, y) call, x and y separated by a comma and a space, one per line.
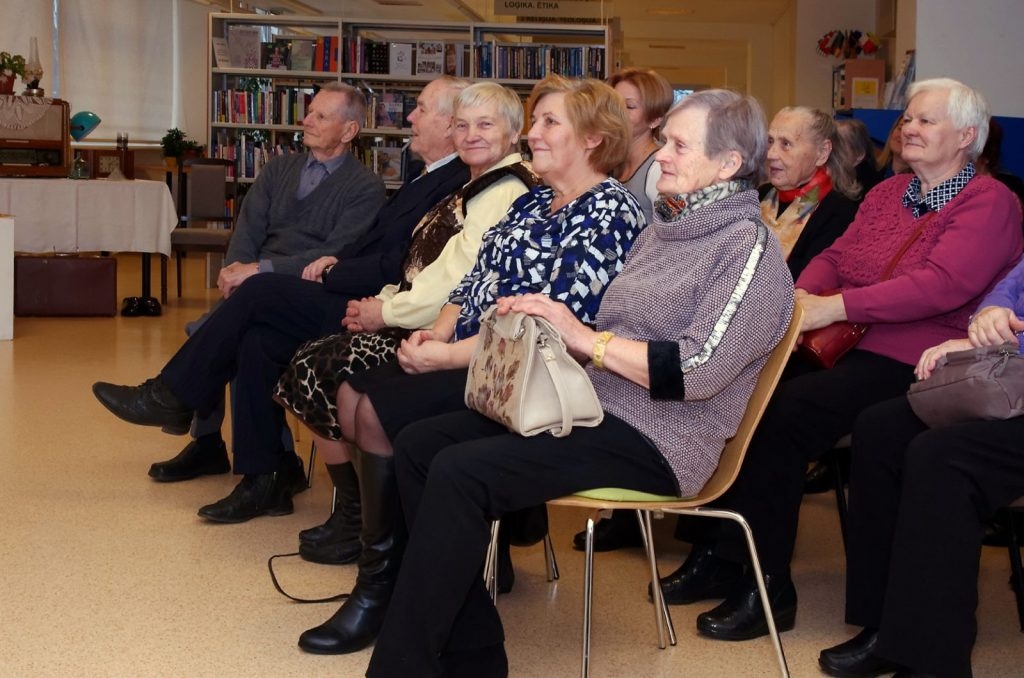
point(277, 585)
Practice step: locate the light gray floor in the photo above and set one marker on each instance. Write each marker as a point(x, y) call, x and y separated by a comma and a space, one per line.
point(105, 573)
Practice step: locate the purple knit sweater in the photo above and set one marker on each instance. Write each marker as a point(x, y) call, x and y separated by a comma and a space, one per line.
point(678, 279)
point(937, 284)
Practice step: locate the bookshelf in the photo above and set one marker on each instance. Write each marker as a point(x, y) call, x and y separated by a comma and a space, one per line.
point(263, 70)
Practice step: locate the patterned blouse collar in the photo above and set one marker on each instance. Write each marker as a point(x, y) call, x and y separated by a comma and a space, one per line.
point(939, 196)
point(670, 209)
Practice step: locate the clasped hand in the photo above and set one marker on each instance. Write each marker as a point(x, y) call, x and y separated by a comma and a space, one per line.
point(314, 270)
point(233, 275)
point(364, 315)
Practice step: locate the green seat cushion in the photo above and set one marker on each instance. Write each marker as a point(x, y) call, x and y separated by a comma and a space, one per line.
point(620, 494)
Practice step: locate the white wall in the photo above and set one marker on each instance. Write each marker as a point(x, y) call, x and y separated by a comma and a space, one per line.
point(977, 43)
point(814, 18)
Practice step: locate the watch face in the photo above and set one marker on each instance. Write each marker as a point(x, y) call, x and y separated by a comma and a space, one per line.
point(109, 163)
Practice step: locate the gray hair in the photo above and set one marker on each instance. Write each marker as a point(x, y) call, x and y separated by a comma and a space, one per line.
point(966, 107)
point(354, 106)
point(840, 164)
point(736, 122)
point(452, 88)
point(508, 103)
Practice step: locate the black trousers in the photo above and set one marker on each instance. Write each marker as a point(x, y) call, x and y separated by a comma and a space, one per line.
point(458, 471)
point(918, 498)
point(251, 338)
point(808, 414)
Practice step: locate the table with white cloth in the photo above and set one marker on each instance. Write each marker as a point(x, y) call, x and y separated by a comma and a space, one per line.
point(100, 215)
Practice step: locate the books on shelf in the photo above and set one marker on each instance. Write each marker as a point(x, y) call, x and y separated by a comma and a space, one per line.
point(383, 156)
point(221, 52)
point(390, 107)
point(244, 46)
point(274, 56)
point(251, 155)
point(302, 54)
point(456, 59)
point(283, 106)
point(535, 61)
point(325, 54)
point(400, 58)
point(429, 57)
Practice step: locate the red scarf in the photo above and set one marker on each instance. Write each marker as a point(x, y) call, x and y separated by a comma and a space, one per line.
point(820, 179)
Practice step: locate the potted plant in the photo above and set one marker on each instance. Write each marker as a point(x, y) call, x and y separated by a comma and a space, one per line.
point(177, 145)
point(11, 66)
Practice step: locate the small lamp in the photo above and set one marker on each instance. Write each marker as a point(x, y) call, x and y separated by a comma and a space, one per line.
point(82, 124)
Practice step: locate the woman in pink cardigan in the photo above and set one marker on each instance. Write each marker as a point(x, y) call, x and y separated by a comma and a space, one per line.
point(969, 238)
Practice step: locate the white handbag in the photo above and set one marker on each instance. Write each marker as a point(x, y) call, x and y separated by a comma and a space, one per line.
point(522, 376)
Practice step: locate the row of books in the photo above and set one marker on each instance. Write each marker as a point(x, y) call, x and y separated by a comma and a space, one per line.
point(283, 106)
point(533, 62)
point(425, 57)
point(389, 109)
point(251, 155)
point(383, 160)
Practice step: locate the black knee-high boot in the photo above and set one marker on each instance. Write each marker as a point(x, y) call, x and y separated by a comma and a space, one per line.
point(336, 541)
point(356, 624)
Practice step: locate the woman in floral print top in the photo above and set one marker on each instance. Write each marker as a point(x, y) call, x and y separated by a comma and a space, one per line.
point(566, 240)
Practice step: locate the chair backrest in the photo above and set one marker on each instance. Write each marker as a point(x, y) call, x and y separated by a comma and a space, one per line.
point(211, 190)
point(732, 456)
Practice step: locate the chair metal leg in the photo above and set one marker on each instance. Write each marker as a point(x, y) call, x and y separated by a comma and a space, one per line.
point(177, 259)
point(837, 480)
point(588, 595)
point(163, 279)
point(491, 563)
point(551, 565)
point(662, 618)
point(758, 575)
point(309, 471)
point(1016, 571)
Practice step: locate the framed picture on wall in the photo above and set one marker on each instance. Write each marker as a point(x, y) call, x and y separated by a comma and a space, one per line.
point(106, 161)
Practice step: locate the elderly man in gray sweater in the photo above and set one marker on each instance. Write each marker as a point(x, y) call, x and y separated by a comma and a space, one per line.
point(302, 206)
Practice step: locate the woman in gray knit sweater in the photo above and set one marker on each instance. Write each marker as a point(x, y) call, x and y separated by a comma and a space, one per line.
point(681, 336)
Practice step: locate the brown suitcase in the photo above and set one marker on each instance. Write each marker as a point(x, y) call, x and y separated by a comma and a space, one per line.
point(65, 285)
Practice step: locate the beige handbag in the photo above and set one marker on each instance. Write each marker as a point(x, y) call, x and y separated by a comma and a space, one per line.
point(522, 376)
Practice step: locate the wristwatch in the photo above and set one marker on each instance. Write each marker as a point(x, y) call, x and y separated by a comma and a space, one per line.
point(327, 271)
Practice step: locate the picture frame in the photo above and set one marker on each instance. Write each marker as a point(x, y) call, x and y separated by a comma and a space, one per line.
point(104, 161)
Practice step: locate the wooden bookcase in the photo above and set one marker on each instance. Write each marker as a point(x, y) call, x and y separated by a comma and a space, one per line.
point(261, 74)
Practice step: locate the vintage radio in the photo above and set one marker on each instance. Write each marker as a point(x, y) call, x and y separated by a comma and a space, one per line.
point(34, 139)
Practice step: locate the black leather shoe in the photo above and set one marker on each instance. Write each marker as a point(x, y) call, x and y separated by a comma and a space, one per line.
point(610, 534)
point(256, 495)
point(131, 307)
point(337, 540)
point(193, 461)
point(151, 307)
point(149, 404)
point(356, 623)
point(856, 657)
point(702, 576)
point(741, 616)
point(821, 476)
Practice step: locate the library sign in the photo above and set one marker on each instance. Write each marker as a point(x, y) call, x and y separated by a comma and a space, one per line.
point(549, 8)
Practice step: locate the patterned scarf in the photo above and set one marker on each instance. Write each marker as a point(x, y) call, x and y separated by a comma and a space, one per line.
point(802, 202)
point(672, 208)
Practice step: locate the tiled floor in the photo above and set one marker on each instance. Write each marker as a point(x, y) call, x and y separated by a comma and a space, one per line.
point(105, 573)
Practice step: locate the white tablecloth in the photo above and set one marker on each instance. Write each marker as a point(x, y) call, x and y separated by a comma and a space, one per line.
point(65, 215)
